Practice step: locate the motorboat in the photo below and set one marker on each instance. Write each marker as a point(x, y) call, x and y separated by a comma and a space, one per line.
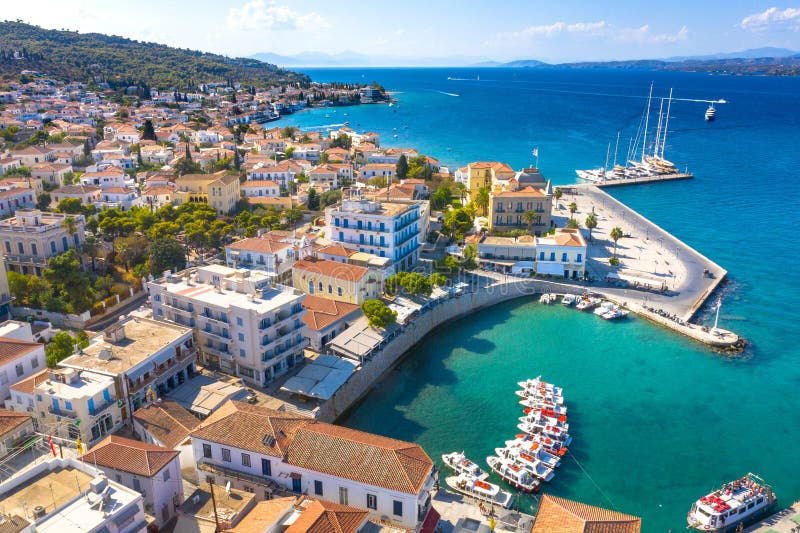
point(537, 468)
point(513, 473)
point(540, 396)
point(615, 313)
point(551, 432)
point(547, 298)
point(711, 113)
point(538, 385)
point(479, 489)
point(534, 447)
point(549, 445)
point(587, 304)
point(569, 299)
point(604, 308)
point(460, 464)
point(738, 502)
point(533, 403)
point(537, 419)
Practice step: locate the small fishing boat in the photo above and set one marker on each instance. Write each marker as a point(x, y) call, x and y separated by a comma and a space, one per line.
point(537, 419)
point(479, 489)
point(529, 462)
point(549, 445)
point(550, 432)
point(614, 314)
point(569, 299)
point(540, 396)
point(587, 304)
point(459, 463)
point(513, 473)
point(534, 403)
point(738, 502)
point(547, 298)
point(604, 308)
point(538, 385)
point(534, 447)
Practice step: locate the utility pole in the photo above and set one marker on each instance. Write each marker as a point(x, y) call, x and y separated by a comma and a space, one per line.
point(214, 503)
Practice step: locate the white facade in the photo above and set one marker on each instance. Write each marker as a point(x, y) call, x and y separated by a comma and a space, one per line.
point(29, 359)
point(385, 229)
point(261, 188)
point(563, 254)
point(246, 325)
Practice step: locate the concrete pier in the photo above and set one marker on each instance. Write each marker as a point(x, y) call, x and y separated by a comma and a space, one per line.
point(784, 521)
point(647, 179)
point(453, 507)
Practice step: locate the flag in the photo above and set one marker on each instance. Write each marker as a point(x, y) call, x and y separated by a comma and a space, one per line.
point(78, 445)
point(52, 446)
point(492, 523)
point(535, 152)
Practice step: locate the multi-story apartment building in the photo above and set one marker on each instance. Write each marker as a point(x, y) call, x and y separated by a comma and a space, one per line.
point(507, 209)
point(386, 229)
point(5, 293)
point(221, 190)
point(245, 324)
point(32, 237)
point(272, 252)
point(339, 281)
point(72, 404)
point(145, 358)
point(255, 448)
point(19, 359)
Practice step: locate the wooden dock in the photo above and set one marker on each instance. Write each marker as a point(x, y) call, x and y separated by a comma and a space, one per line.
point(647, 179)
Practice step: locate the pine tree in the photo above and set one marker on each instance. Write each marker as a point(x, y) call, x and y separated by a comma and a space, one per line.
point(188, 152)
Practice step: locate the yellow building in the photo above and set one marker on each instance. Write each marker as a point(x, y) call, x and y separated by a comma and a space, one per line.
point(507, 209)
point(342, 282)
point(220, 190)
point(484, 173)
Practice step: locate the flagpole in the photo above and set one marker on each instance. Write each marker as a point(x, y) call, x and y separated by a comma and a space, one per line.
point(716, 319)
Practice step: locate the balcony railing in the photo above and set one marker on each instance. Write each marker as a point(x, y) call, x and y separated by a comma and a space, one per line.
point(219, 353)
point(35, 259)
point(65, 414)
point(219, 336)
point(213, 318)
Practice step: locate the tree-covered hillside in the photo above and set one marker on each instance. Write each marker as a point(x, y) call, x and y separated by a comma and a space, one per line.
point(121, 62)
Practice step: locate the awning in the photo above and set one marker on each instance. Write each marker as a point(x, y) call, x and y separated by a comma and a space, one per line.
point(431, 521)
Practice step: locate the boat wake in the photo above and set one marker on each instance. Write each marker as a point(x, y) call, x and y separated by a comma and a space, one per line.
point(448, 94)
point(321, 127)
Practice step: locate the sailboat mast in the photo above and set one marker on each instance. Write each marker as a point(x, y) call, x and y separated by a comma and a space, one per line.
point(647, 121)
point(608, 154)
point(666, 124)
point(630, 155)
point(616, 147)
point(658, 130)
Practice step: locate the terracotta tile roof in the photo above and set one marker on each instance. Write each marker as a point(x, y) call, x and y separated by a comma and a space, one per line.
point(11, 349)
point(26, 386)
point(167, 421)
point(248, 427)
point(263, 244)
point(559, 515)
point(322, 312)
point(332, 269)
point(128, 455)
point(338, 250)
point(263, 515)
point(527, 191)
point(78, 189)
point(321, 516)
point(303, 442)
point(360, 456)
point(11, 420)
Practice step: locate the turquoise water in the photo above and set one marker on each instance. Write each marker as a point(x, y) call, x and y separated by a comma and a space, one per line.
point(657, 420)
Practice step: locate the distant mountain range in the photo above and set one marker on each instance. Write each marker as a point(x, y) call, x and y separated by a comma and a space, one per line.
point(763, 61)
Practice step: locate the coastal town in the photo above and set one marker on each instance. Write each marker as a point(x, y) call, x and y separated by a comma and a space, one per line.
point(193, 296)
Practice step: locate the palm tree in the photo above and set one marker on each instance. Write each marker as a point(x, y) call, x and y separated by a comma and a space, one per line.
point(530, 217)
point(591, 223)
point(461, 189)
point(70, 225)
point(616, 234)
point(482, 199)
point(572, 208)
point(558, 193)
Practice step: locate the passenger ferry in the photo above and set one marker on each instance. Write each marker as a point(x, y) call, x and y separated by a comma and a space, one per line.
point(735, 503)
point(514, 474)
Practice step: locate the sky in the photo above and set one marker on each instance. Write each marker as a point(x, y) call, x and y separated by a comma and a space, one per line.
point(460, 30)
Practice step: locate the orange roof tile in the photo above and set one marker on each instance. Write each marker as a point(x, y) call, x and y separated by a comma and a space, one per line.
point(128, 455)
point(527, 191)
point(263, 245)
point(26, 386)
point(322, 312)
point(332, 269)
point(322, 516)
point(11, 349)
point(11, 420)
point(559, 515)
point(167, 421)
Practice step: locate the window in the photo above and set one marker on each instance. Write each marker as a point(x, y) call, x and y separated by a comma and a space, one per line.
point(106, 395)
point(330, 289)
point(319, 286)
point(241, 352)
point(136, 485)
point(310, 287)
point(398, 508)
point(35, 362)
point(239, 321)
point(564, 257)
point(166, 474)
point(343, 495)
point(34, 251)
point(241, 337)
point(266, 467)
point(8, 247)
point(579, 258)
point(19, 369)
point(245, 459)
point(226, 455)
point(318, 488)
point(372, 502)
point(20, 248)
point(541, 256)
point(68, 405)
point(207, 451)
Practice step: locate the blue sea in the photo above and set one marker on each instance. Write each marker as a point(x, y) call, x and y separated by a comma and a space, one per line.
point(657, 420)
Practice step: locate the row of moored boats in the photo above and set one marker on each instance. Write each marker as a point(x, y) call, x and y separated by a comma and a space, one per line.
point(604, 309)
point(526, 460)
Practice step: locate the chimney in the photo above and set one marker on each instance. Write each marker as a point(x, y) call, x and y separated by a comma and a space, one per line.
point(114, 333)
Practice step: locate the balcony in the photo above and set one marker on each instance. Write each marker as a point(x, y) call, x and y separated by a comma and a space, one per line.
point(33, 259)
point(211, 318)
point(365, 243)
point(404, 225)
point(219, 336)
point(178, 309)
point(61, 413)
point(100, 410)
point(219, 353)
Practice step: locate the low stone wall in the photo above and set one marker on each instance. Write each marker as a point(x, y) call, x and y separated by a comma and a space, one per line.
point(383, 361)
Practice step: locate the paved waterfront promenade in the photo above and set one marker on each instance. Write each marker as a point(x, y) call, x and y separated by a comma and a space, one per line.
point(784, 521)
point(452, 507)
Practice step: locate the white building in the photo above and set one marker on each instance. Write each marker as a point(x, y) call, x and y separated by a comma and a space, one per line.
point(245, 324)
point(70, 496)
point(272, 253)
point(152, 471)
point(563, 254)
point(32, 237)
point(254, 447)
point(19, 359)
point(261, 188)
point(324, 176)
point(385, 229)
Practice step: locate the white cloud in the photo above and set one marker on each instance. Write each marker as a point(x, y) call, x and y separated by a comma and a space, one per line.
point(773, 18)
point(601, 28)
point(261, 15)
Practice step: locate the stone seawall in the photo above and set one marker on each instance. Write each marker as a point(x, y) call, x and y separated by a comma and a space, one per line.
point(382, 362)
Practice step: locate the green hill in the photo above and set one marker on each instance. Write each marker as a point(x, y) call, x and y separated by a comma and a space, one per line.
point(72, 56)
